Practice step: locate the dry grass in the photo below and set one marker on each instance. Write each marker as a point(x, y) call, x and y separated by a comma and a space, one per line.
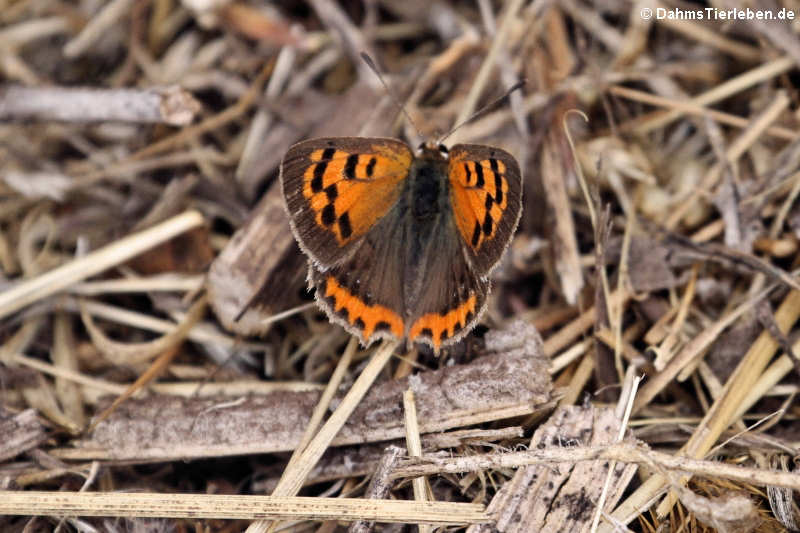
point(158, 353)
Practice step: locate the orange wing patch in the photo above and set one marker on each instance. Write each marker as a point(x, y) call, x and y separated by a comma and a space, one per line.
point(480, 196)
point(366, 318)
point(349, 192)
point(442, 326)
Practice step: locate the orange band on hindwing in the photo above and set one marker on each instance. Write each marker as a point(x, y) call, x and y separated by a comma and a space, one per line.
point(441, 326)
point(367, 318)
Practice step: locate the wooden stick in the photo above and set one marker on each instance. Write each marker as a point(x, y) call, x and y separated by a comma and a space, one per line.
point(60, 278)
point(723, 90)
point(292, 479)
point(703, 34)
point(16, 35)
point(414, 445)
point(324, 401)
point(292, 484)
point(622, 452)
point(97, 27)
point(510, 15)
point(168, 105)
point(563, 337)
point(380, 484)
point(691, 108)
point(200, 333)
point(691, 350)
point(162, 282)
point(117, 504)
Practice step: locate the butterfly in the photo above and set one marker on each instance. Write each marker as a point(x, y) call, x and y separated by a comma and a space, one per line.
point(401, 242)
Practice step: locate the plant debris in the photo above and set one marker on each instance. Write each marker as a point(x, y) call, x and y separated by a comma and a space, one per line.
point(162, 357)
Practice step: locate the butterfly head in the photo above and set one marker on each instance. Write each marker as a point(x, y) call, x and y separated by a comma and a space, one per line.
point(432, 150)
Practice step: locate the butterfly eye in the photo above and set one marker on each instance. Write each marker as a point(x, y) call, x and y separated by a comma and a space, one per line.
point(443, 149)
point(421, 146)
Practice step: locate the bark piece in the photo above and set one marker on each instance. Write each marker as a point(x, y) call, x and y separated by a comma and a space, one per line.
point(260, 269)
point(512, 380)
point(21, 432)
point(560, 497)
point(649, 267)
point(554, 170)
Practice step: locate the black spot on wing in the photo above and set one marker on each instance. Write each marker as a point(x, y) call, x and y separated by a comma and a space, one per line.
point(479, 172)
point(487, 224)
point(469, 173)
point(328, 215)
point(476, 234)
point(344, 226)
point(331, 192)
point(327, 154)
point(350, 166)
point(371, 166)
point(498, 187)
point(319, 172)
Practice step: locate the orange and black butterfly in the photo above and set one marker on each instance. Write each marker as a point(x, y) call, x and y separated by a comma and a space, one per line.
point(401, 244)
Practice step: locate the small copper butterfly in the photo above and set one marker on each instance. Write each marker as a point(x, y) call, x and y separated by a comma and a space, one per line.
point(401, 243)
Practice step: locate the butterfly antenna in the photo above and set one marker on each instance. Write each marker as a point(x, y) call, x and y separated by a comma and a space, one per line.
point(482, 111)
point(371, 64)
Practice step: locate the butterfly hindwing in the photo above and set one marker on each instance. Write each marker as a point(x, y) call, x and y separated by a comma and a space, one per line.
point(486, 196)
point(364, 293)
point(336, 189)
point(449, 296)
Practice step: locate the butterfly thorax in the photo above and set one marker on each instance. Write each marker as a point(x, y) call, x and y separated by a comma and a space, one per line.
point(427, 191)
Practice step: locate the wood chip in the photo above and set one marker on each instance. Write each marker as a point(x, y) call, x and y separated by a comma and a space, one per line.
point(21, 432)
point(513, 382)
point(560, 497)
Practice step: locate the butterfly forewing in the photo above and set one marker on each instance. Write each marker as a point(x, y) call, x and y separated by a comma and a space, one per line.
point(336, 189)
point(486, 196)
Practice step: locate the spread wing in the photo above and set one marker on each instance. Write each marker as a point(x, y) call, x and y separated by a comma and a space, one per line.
point(486, 194)
point(336, 189)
